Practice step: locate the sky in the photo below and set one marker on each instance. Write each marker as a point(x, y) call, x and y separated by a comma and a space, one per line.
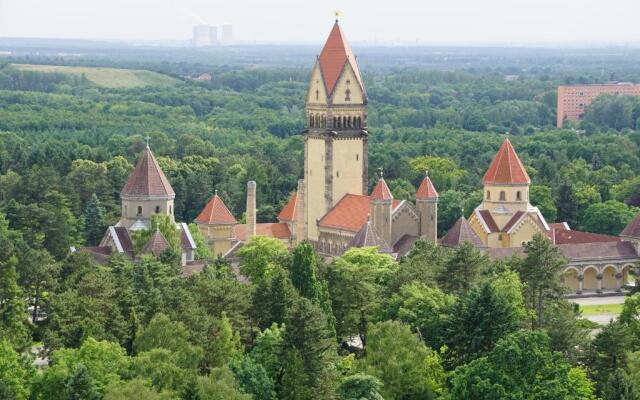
point(305, 21)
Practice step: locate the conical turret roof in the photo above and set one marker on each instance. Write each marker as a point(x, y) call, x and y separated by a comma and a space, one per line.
point(216, 213)
point(381, 191)
point(506, 167)
point(156, 244)
point(426, 191)
point(147, 179)
point(459, 233)
point(367, 236)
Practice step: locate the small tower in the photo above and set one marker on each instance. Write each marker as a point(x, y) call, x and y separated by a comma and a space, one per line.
point(217, 225)
point(251, 209)
point(427, 205)
point(381, 206)
point(147, 192)
point(506, 185)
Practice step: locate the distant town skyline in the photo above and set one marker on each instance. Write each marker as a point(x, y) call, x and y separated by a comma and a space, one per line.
point(291, 21)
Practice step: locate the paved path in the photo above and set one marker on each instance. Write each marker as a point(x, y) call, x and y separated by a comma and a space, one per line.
point(593, 301)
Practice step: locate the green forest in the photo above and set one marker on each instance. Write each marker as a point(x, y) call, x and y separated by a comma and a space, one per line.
point(438, 324)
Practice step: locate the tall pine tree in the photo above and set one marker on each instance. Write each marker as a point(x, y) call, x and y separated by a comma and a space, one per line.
point(94, 221)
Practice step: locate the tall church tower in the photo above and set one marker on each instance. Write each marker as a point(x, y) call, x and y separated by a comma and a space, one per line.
point(336, 152)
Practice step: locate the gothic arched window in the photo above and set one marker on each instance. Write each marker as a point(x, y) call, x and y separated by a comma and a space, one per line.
point(503, 196)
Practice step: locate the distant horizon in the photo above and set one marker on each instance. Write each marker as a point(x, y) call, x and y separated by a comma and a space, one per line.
point(523, 22)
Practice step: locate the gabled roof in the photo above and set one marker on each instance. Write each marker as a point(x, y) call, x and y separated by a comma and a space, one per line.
point(487, 220)
point(147, 179)
point(633, 228)
point(278, 230)
point(426, 190)
point(123, 239)
point(186, 240)
point(381, 191)
point(288, 212)
point(517, 216)
point(506, 167)
point(459, 233)
point(216, 213)
point(156, 244)
point(350, 213)
point(335, 54)
point(367, 236)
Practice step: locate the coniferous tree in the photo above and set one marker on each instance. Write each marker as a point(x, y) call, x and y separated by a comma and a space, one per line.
point(94, 221)
point(620, 386)
point(609, 352)
point(566, 203)
point(466, 261)
point(226, 344)
point(304, 268)
point(80, 385)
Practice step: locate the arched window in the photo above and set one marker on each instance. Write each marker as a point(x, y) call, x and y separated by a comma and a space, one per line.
point(171, 210)
point(317, 120)
point(139, 210)
point(344, 122)
point(339, 122)
point(324, 121)
point(126, 211)
point(335, 124)
point(310, 121)
point(157, 209)
point(347, 95)
point(503, 196)
point(518, 195)
point(349, 121)
point(488, 195)
point(359, 122)
point(317, 94)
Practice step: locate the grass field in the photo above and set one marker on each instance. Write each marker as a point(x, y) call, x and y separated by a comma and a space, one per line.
point(601, 309)
point(107, 77)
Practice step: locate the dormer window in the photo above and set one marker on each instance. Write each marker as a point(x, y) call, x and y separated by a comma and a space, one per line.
point(503, 196)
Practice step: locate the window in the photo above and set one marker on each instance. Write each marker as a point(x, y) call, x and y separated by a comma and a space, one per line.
point(348, 81)
point(157, 209)
point(337, 174)
point(139, 210)
point(488, 195)
point(347, 95)
point(503, 196)
point(518, 195)
point(171, 210)
point(125, 210)
point(357, 157)
point(317, 94)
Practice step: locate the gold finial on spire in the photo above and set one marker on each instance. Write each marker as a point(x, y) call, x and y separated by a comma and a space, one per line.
point(146, 139)
point(337, 14)
point(380, 172)
point(426, 173)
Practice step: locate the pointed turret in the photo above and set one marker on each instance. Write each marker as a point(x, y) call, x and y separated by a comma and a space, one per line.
point(506, 168)
point(156, 244)
point(460, 233)
point(335, 54)
point(146, 193)
point(427, 205)
point(381, 207)
point(368, 236)
point(381, 191)
point(147, 179)
point(216, 213)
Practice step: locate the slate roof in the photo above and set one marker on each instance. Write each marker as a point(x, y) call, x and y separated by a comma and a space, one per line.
point(333, 57)
point(350, 213)
point(633, 228)
point(485, 215)
point(278, 230)
point(367, 236)
point(460, 233)
point(147, 179)
point(124, 239)
point(186, 240)
point(215, 212)
point(506, 167)
point(288, 212)
point(156, 244)
point(426, 190)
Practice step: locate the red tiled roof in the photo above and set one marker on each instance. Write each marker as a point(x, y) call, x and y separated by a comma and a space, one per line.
point(335, 54)
point(563, 236)
point(577, 251)
point(278, 230)
point(216, 213)
point(288, 212)
point(156, 244)
point(633, 228)
point(147, 179)
point(506, 167)
point(489, 221)
point(381, 191)
point(426, 190)
point(350, 213)
point(559, 226)
point(460, 233)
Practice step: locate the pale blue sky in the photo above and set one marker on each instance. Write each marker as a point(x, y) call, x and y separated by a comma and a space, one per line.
point(427, 21)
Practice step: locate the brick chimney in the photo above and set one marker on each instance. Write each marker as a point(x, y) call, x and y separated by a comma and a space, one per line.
point(251, 209)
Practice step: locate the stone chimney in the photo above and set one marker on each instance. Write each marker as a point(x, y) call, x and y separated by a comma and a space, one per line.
point(300, 220)
point(251, 209)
